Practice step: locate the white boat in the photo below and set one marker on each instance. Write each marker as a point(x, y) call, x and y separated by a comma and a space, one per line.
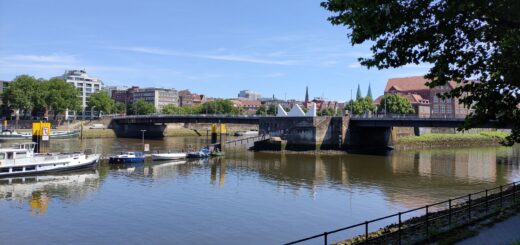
point(168, 156)
point(21, 160)
point(247, 133)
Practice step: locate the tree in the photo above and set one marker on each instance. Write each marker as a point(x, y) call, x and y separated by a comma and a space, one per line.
point(262, 110)
point(220, 106)
point(327, 112)
point(394, 103)
point(462, 40)
point(60, 96)
point(271, 110)
point(172, 109)
point(120, 108)
point(362, 106)
point(141, 107)
point(101, 102)
point(23, 94)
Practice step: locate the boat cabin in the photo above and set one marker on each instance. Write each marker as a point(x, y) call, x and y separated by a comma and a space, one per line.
point(20, 150)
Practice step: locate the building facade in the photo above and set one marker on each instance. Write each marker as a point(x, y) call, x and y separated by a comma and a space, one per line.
point(159, 97)
point(86, 85)
point(424, 99)
point(185, 98)
point(249, 95)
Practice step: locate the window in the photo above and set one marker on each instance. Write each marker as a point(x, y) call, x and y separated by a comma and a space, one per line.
point(435, 99)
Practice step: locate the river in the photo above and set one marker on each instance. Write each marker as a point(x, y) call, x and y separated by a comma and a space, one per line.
point(246, 197)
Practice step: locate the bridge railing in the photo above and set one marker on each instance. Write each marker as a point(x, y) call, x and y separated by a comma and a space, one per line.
point(406, 116)
point(419, 224)
point(191, 116)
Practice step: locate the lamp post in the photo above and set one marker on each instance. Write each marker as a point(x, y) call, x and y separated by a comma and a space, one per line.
point(142, 133)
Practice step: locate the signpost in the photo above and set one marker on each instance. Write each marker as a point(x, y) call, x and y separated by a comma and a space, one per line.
point(41, 132)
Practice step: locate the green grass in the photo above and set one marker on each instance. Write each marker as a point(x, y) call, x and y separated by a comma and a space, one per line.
point(484, 136)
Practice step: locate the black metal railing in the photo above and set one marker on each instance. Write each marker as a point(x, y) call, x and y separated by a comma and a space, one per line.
point(437, 218)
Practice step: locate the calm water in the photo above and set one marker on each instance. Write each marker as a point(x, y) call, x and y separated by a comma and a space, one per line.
point(254, 198)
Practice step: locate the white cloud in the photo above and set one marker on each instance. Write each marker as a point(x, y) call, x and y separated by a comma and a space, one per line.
point(354, 65)
point(53, 58)
point(222, 57)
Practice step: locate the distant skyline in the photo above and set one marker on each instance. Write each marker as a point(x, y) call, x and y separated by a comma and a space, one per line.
point(212, 47)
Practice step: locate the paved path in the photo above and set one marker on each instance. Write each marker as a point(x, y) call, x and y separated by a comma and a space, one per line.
point(505, 232)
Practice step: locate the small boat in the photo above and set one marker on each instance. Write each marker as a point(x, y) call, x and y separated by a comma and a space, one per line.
point(202, 153)
point(217, 153)
point(21, 160)
point(8, 134)
point(168, 156)
point(129, 157)
point(247, 133)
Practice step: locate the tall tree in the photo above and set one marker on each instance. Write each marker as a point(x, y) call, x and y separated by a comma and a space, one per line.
point(220, 106)
point(362, 106)
point(262, 110)
point(23, 93)
point(141, 107)
point(462, 40)
point(60, 96)
point(394, 103)
point(100, 101)
point(358, 93)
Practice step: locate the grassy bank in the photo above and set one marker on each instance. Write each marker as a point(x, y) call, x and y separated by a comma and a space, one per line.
point(484, 138)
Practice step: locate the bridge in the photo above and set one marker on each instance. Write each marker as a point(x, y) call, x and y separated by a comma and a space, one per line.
point(301, 133)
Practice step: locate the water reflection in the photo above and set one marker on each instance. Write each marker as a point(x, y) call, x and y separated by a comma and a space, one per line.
point(38, 191)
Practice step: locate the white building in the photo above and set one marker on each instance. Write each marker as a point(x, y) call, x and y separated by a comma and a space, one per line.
point(249, 95)
point(109, 89)
point(86, 85)
point(159, 97)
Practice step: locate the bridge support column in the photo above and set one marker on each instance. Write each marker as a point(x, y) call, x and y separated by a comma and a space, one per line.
point(134, 130)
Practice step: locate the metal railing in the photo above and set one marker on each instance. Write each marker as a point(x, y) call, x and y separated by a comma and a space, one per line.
point(437, 218)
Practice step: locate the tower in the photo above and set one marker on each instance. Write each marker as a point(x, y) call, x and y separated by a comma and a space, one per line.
point(306, 96)
point(358, 93)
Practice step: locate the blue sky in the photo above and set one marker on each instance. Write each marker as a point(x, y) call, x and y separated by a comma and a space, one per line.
point(212, 47)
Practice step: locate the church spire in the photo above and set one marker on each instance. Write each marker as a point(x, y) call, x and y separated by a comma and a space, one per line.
point(306, 95)
point(369, 93)
point(358, 93)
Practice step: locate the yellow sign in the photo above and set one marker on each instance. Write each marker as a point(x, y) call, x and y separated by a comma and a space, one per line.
point(42, 129)
point(222, 128)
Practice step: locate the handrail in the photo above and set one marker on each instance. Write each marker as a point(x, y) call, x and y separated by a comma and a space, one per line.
point(468, 206)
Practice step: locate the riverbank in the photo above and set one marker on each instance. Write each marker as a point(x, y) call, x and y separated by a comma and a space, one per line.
point(169, 132)
point(426, 141)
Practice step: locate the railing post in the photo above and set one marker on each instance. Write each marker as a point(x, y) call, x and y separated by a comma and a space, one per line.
point(469, 208)
point(325, 238)
point(427, 223)
point(366, 231)
point(449, 212)
point(501, 186)
point(514, 193)
point(487, 204)
point(400, 224)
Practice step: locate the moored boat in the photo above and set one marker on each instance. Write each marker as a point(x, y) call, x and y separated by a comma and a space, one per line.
point(129, 157)
point(21, 160)
point(202, 153)
point(247, 133)
point(7, 135)
point(168, 156)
